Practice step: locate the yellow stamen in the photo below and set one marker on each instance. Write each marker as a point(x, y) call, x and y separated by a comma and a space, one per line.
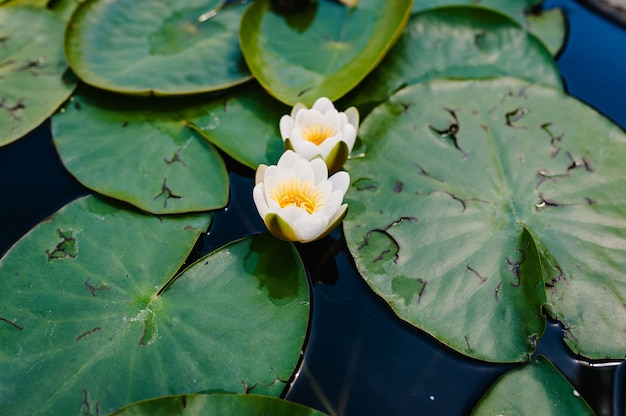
point(294, 191)
point(316, 134)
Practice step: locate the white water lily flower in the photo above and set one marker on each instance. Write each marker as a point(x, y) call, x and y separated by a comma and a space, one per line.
point(297, 200)
point(320, 131)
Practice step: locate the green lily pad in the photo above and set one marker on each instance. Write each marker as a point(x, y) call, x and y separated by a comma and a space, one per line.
point(533, 388)
point(155, 46)
point(89, 300)
point(244, 124)
point(218, 405)
point(457, 41)
point(324, 49)
point(516, 9)
point(31, 3)
point(64, 8)
point(476, 203)
point(547, 25)
point(139, 150)
point(33, 79)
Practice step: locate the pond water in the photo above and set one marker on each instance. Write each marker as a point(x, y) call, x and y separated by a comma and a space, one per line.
point(361, 359)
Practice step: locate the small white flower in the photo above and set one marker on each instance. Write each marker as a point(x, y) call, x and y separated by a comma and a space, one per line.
point(297, 200)
point(320, 131)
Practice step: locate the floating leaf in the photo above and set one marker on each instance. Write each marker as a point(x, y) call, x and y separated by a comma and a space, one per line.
point(31, 3)
point(549, 27)
point(323, 49)
point(516, 9)
point(217, 405)
point(533, 388)
point(464, 42)
point(243, 124)
point(32, 68)
point(64, 8)
point(140, 151)
point(155, 46)
point(470, 192)
point(83, 301)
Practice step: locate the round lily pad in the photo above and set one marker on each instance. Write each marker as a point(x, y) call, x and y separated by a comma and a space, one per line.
point(479, 201)
point(324, 48)
point(156, 46)
point(64, 8)
point(139, 150)
point(547, 25)
point(33, 70)
point(218, 405)
point(513, 8)
point(244, 124)
point(94, 317)
point(533, 388)
point(32, 3)
point(458, 41)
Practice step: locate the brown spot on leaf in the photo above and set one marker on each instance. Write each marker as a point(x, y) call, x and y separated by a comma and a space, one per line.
point(167, 192)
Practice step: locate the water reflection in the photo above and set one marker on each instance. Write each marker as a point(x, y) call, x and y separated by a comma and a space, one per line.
point(361, 359)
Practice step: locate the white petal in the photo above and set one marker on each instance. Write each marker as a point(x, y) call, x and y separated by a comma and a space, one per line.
point(349, 135)
point(323, 104)
point(333, 119)
point(310, 118)
point(294, 216)
point(286, 126)
point(312, 228)
point(296, 136)
point(258, 195)
point(259, 176)
point(271, 175)
point(304, 170)
point(334, 201)
point(338, 214)
point(296, 108)
point(340, 181)
point(326, 188)
point(300, 116)
point(327, 145)
point(287, 160)
point(320, 170)
point(273, 205)
point(353, 117)
point(306, 149)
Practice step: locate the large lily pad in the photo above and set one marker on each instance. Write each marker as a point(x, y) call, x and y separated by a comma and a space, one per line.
point(534, 388)
point(458, 41)
point(64, 8)
point(32, 69)
point(323, 49)
point(513, 8)
point(476, 203)
point(140, 151)
point(91, 319)
point(155, 46)
point(243, 124)
point(218, 405)
point(547, 25)
point(33, 3)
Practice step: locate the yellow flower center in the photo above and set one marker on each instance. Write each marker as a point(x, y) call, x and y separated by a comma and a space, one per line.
point(316, 134)
point(302, 194)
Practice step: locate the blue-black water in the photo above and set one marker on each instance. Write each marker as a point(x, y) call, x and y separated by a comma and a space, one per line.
point(360, 359)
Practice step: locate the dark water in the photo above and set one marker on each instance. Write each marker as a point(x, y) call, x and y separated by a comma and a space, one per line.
point(360, 359)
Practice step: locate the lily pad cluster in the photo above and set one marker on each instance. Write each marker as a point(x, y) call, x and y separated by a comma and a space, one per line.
point(481, 197)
